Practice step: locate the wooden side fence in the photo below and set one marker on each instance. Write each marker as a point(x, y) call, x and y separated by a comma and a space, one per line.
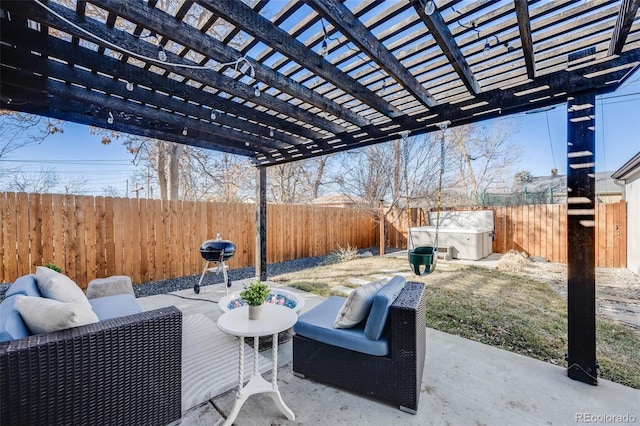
point(149, 240)
point(538, 230)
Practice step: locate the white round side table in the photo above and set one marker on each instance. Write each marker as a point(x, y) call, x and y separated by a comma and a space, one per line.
point(274, 319)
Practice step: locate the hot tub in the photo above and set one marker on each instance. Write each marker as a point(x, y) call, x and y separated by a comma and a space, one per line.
point(471, 244)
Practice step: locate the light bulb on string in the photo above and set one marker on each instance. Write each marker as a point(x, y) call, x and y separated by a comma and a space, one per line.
point(487, 48)
point(161, 53)
point(271, 134)
point(213, 114)
point(185, 131)
point(324, 51)
point(428, 6)
point(110, 119)
point(129, 86)
point(256, 91)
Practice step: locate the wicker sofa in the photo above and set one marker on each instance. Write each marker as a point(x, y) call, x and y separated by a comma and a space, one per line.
point(118, 371)
point(395, 377)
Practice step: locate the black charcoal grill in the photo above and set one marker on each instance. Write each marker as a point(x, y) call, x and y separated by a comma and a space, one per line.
point(217, 251)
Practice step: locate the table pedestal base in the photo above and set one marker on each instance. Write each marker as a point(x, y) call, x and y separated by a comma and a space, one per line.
point(257, 384)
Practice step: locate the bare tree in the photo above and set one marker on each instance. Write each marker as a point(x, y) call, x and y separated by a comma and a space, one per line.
point(18, 130)
point(483, 155)
point(315, 174)
point(162, 157)
point(44, 181)
point(402, 172)
point(219, 176)
point(286, 184)
point(75, 185)
point(111, 191)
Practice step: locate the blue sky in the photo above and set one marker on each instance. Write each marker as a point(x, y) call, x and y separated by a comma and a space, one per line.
point(77, 152)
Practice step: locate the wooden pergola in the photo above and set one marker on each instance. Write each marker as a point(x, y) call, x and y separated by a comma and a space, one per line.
point(279, 81)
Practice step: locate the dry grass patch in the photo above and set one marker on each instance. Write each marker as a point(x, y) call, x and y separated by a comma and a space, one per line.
point(503, 309)
point(513, 261)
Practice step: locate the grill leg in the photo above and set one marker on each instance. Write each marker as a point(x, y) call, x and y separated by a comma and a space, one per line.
point(196, 288)
point(226, 284)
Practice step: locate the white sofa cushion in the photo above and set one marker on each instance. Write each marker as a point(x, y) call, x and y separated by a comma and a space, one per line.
point(56, 286)
point(46, 315)
point(358, 304)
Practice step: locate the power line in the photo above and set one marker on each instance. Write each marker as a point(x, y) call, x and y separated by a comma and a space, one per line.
point(553, 156)
point(73, 162)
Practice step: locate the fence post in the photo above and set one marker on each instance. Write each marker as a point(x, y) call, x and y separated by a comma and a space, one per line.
point(382, 222)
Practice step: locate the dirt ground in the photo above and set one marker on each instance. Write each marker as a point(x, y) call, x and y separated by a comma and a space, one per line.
point(617, 290)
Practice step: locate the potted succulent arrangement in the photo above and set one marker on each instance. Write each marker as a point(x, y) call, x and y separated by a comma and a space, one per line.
point(255, 294)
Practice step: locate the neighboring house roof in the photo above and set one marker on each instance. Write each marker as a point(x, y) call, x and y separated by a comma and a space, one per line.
point(628, 169)
point(336, 200)
point(605, 184)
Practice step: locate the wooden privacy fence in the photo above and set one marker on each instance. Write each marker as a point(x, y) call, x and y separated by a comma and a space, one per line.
point(538, 230)
point(541, 230)
point(151, 240)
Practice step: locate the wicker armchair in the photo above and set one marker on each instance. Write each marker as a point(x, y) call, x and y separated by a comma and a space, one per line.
point(121, 371)
point(394, 378)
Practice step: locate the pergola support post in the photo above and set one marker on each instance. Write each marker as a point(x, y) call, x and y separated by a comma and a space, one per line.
point(261, 223)
point(581, 292)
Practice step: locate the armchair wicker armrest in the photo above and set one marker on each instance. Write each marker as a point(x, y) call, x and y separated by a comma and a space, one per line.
point(123, 371)
point(394, 378)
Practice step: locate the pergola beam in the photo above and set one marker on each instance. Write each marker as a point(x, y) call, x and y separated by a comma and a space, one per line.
point(154, 21)
point(161, 23)
point(31, 41)
point(442, 35)
point(626, 16)
point(17, 99)
point(524, 26)
point(350, 26)
point(239, 14)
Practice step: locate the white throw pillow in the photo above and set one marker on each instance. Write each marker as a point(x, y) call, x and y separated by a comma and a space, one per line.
point(56, 286)
point(46, 315)
point(357, 306)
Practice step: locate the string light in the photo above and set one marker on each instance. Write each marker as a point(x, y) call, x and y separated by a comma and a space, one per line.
point(428, 6)
point(110, 119)
point(256, 91)
point(213, 114)
point(129, 86)
point(162, 56)
point(185, 131)
point(271, 134)
point(324, 48)
point(487, 47)
point(161, 53)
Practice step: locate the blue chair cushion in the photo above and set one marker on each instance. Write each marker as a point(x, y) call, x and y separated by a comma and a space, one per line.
point(116, 306)
point(25, 285)
point(11, 324)
point(377, 319)
point(317, 324)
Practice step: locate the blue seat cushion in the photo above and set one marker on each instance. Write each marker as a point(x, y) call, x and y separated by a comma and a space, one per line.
point(11, 324)
point(317, 324)
point(377, 320)
point(116, 306)
point(25, 285)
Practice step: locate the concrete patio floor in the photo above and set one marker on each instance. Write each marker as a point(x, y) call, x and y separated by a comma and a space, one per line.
point(464, 382)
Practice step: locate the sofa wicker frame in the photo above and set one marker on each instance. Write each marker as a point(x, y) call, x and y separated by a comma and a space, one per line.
point(394, 378)
point(121, 371)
